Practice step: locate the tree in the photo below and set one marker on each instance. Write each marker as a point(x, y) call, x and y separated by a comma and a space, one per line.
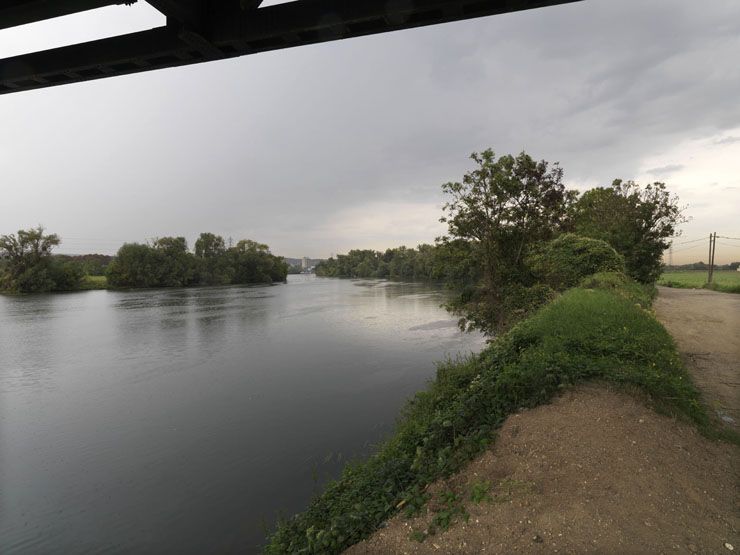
point(637, 221)
point(135, 265)
point(213, 268)
point(177, 267)
point(27, 265)
point(209, 245)
point(498, 211)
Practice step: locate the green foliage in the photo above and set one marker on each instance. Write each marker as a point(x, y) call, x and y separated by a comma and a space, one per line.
point(449, 510)
point(637, 221)
point(94, 282)
point(499, 210)
point(168, 263)
point(480, 491)
point(402, 263)
point(135, 265)
point(66, 275)
point(620, 284)
point(90, 264)
point(585, 334)
point(28, 266)
point(414, 502)
point(567, 259)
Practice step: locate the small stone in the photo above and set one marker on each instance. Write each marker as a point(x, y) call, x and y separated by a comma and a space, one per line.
point(729, 547)
point(538, 539)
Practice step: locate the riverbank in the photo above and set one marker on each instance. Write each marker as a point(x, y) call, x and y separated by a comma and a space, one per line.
point(600, 331)
point(597, 470)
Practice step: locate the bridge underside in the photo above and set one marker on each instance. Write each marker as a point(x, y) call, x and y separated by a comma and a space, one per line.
point(204, 30)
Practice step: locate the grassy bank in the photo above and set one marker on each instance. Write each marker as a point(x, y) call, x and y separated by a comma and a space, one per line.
point(597, 332)
point(723, 280)
point(94, 282)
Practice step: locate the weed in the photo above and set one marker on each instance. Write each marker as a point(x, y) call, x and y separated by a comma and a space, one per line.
point(418, 536)
point(480, 491)
point(449, 510)
point(414, 502)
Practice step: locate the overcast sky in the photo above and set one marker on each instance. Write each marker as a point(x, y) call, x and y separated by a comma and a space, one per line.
point(320, 149)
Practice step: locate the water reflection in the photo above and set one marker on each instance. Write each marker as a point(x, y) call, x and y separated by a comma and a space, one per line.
point(178, 420)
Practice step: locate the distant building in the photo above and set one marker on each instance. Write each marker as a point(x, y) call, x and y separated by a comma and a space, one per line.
point(306, 263)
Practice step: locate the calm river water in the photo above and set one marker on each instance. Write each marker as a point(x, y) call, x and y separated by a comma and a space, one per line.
point(184, 420)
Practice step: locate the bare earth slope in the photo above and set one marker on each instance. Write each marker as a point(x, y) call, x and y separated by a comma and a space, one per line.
point(706, 327)
point(594, 472)
point(597, 471)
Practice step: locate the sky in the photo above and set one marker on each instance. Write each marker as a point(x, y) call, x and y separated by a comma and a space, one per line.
point(319, 149)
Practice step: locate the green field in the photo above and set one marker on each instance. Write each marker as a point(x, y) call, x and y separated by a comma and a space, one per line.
point(725, 280)
point(94, 282)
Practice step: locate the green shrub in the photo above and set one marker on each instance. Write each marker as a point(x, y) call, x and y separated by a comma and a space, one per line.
point(622, 285)
point(597, 333)
point(567, 259)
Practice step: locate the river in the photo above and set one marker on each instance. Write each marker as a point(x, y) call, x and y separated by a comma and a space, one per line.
point(184, 420)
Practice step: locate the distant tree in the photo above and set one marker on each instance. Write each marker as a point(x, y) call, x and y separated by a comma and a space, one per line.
point(135, 265)
point(495, 214)
point(28, 266)
point(209, 245)
point(177, 267)
point(252, 262)
point(637, 221)
point(213, 267)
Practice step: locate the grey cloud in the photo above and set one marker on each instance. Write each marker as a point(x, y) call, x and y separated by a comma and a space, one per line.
point(665, 170)
point(727, 141)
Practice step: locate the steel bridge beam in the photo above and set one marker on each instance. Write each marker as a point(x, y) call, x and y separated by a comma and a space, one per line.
point(203, 30)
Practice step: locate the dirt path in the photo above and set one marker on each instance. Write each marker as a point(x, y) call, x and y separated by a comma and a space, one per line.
point(706, 327)
point(594, 472)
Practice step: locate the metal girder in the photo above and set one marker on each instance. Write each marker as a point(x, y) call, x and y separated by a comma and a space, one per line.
point(21, 12)
point(202, 30)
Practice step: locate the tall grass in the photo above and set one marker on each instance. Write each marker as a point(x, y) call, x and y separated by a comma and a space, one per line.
point(597, 333)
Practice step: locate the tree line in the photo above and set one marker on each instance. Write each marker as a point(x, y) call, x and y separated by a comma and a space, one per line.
point(421, 263)
point(27, 264)
point(516, 235)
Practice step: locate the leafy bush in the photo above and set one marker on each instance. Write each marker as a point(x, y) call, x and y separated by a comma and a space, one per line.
point(621, 284)
point(66, 275)
point(584, 334)
point(567, 259)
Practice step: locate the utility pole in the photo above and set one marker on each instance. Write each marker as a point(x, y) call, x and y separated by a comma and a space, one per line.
point(712, 248)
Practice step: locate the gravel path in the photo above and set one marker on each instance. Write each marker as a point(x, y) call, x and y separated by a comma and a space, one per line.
point(706, 327)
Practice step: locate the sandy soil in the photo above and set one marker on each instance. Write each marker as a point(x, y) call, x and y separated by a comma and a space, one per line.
point(706, 327)
point(594, 472)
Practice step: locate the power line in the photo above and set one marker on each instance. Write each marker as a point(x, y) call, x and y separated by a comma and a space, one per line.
point(687, 248)
point(693, 241)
